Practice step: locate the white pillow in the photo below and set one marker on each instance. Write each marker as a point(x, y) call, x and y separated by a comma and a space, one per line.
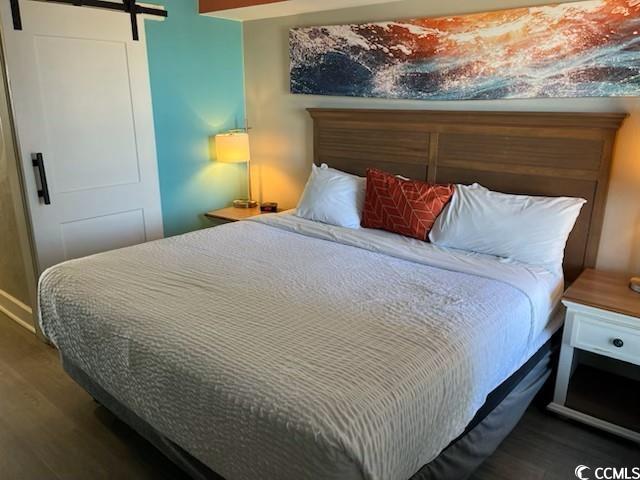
point(333, 197)
point(531, 230)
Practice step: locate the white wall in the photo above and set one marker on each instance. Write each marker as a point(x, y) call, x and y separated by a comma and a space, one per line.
point(281, 135)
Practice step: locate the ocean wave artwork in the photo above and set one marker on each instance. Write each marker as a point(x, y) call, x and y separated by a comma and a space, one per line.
point(580, 49)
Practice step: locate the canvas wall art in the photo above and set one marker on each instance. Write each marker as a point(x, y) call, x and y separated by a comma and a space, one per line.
point(580, 49)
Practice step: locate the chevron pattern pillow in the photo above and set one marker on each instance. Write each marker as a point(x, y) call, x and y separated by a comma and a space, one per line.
point(407, 207)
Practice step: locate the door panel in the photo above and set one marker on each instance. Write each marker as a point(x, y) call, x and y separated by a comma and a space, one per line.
point(81, 97)
point(88, 107)
point(94, 235)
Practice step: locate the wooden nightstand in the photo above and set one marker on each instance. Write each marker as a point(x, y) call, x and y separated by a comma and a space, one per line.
point(233, 214)
point(603, 318)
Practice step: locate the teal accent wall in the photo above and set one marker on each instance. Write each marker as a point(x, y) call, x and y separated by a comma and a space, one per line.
point(197, 89)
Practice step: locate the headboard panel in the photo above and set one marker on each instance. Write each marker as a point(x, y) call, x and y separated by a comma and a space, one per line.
point(550, 154)
point(356, 149)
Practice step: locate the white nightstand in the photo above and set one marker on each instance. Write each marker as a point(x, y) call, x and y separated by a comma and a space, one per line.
point(603, 317)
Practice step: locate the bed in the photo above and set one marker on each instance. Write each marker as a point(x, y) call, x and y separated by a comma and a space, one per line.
point(280, 348)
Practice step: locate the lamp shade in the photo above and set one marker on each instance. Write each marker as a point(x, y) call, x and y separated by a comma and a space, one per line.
point(233, 147)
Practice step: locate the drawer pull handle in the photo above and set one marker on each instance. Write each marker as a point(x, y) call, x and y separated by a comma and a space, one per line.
point(618, 343)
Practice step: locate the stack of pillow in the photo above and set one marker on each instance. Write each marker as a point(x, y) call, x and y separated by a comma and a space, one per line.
point(527, 229)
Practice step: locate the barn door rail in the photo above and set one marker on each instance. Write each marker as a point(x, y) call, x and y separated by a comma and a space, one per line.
point(127, 6)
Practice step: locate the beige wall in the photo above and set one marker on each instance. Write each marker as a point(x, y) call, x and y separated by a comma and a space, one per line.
point(13, 279)
point(281, 135)
point(17, 275)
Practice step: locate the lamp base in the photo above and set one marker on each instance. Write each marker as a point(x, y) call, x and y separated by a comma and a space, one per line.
point(244, 203)
point(634, 284)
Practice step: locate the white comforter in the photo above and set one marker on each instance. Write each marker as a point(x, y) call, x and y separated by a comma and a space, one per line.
point(269, 352)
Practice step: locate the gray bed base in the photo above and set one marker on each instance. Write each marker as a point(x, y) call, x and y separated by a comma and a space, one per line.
point(457, 462)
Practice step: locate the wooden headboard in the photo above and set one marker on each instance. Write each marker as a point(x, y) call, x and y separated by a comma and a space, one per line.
point(550, 154)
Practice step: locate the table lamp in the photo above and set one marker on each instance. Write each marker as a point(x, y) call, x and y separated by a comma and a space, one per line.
point(233, 147)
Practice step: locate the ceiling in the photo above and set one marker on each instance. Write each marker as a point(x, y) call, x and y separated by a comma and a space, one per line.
point(259, 9)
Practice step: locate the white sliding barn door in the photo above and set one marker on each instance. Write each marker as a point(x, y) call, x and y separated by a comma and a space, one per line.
point(80, 93)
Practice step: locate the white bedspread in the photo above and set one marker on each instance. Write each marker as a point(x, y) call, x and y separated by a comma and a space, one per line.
point(272, 354)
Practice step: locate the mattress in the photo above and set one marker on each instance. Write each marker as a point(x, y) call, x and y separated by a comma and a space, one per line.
point(286, 349)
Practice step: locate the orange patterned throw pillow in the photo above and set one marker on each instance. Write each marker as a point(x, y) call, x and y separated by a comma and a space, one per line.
point(407, 207)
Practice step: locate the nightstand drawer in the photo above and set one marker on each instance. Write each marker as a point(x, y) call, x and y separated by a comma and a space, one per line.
point(600, 336)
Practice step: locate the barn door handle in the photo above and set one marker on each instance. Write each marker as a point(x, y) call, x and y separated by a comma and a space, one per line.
point(43, 191)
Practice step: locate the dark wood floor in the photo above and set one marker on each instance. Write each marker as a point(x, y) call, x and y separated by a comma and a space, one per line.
point(51, 429)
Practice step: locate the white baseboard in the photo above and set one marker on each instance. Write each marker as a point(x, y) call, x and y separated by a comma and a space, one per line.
point(594, 422)
point(16, 311)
